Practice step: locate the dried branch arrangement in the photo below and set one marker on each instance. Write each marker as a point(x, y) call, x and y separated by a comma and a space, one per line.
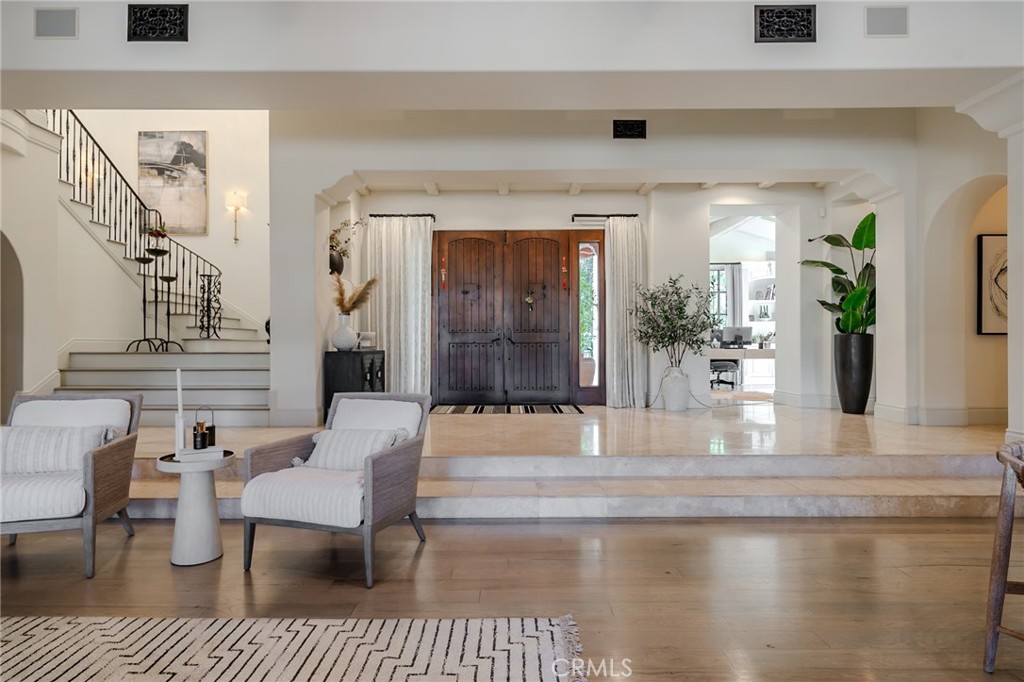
point(346, 302)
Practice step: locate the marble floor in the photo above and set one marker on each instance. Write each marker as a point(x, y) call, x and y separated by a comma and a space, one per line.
point(752, 429)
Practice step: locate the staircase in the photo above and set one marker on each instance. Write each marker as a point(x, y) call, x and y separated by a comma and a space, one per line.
point(225, 360)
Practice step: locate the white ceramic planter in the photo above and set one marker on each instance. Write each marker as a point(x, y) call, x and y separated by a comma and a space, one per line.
point(675, 390)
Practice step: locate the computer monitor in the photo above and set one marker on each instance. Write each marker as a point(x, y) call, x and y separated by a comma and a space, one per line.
point(737, 336)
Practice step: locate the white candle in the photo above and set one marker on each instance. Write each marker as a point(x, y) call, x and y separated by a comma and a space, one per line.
point(181, 409)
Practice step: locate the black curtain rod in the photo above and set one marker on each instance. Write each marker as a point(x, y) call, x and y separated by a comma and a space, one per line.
point(404, 215)
point(604, 215)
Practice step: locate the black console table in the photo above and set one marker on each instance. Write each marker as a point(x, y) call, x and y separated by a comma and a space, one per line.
point(352, 370)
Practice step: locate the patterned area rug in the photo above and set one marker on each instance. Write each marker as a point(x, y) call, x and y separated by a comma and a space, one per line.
point(280, 649)
point(506, 409)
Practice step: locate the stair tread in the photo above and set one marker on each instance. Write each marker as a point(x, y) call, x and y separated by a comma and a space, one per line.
point(168, 369)
point(224, 387)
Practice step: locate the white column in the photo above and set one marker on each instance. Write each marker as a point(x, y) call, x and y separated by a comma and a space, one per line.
point(896, 331)
point(1015, 262)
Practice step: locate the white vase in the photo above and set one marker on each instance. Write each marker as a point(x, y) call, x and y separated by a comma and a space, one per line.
point(675, 390)
point(344, 337)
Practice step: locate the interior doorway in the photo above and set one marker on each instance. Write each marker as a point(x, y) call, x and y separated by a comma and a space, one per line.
point(517, 317)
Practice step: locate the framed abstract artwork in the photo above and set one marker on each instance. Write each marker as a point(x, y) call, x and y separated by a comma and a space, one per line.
point(992, 284)
point(172, 178)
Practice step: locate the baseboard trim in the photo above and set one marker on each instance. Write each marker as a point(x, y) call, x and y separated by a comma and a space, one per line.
point(1013, 436)
point(899, 415)
point(88, 346)
point(943, 416)
point(46, 386)
point(994, 416)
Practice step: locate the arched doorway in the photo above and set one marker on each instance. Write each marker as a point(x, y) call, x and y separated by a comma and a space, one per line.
point(963, 374)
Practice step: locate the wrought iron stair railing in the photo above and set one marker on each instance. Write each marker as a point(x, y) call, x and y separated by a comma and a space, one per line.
point(97, 182)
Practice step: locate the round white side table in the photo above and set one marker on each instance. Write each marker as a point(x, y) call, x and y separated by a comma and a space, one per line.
point(197, 522)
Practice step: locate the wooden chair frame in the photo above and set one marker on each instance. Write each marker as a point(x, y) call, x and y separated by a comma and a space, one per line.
point(390, 480)
point(106, 477)
point(1012, 458)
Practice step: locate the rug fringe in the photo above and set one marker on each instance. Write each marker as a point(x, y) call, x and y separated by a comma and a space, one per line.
point(571, 640)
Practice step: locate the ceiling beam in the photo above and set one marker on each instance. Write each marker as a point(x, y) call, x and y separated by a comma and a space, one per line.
point(820, 185)
point(575, 188)
point(503, 189)
point(646, 188)
point(707, 185)
point(765, 185)
point(363, 190)
point(431, 188)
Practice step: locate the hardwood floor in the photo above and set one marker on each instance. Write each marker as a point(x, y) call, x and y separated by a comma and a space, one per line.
point(715, 600)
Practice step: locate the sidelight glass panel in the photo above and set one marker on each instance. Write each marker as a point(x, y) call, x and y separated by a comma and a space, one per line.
point(590, 319)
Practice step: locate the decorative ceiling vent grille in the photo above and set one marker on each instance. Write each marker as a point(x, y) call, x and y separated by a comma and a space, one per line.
point(158, 23)
point(784, 24)
point(629, 129)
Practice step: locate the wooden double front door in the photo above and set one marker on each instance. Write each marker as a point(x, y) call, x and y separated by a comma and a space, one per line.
point(504, 317)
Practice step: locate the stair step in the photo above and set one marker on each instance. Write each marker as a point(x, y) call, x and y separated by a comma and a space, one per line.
point(227, 415)
point(214, 396)
point(227, 359)
point(225, 334)
point(224, 345)
point(652, 497)
point(135, 378)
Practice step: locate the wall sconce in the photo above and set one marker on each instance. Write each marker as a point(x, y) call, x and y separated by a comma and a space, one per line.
point(235, 202)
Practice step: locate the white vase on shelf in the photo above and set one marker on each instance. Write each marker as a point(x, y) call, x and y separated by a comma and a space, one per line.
point(344, 337)
point(675, 389)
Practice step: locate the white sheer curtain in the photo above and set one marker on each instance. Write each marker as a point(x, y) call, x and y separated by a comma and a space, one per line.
point(625, 267)
point(398, 251)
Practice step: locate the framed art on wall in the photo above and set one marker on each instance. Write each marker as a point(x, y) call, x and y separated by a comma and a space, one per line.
point(172, 178)
point(992, 284)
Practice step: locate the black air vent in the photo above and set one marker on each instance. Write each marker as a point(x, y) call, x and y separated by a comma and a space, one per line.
point(158, 23)
point(784, 24)
point(629, 130)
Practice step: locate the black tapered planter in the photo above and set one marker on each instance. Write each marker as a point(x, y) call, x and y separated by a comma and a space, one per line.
point(853, 356)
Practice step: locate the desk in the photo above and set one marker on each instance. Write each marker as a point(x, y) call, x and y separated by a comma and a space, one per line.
point(196, 522)
point(738, 355)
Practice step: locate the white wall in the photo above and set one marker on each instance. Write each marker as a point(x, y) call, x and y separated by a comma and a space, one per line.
point(237, 160)
point(100, 304)
point(29, 221)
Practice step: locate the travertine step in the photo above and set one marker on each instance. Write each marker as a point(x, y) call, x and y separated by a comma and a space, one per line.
point(133, 379)
point(254, 359)
point(654, 497)
point(214, 396)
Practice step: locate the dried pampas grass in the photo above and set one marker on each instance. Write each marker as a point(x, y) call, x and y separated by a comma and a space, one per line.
point(346, 303)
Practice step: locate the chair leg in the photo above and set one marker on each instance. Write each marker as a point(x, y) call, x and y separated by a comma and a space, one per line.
point(1000, 567)
point(368, 554)
point(12, 538)
point(89, 542)
point(415, 519)
point(248, 537)
point(126, 521)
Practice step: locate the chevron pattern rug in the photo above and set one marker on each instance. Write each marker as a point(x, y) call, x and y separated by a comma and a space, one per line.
point(506, 409)
point(282, 649)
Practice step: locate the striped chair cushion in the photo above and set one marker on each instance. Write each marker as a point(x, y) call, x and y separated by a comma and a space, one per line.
point(308, 495)
point(345, 449)
point(27, 497)
point(43, 449)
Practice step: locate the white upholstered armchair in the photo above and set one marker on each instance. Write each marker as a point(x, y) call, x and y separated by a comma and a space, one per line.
point(67, 464)
point(357, 476)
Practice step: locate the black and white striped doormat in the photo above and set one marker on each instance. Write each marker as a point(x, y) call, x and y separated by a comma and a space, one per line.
point(282, 649)
point(506, 409)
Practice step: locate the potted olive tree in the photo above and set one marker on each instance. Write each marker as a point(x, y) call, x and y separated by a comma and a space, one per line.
point(677, 319)
point(853, 348)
